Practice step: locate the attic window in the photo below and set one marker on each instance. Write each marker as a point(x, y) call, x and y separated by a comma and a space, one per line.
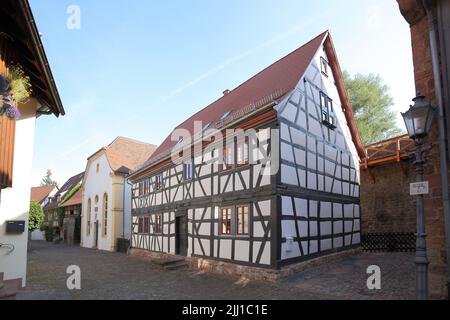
point(225, 115)
point(328, 116)
point(324, 66)
point(97, 169)
point(206, 126)
point(180, 140)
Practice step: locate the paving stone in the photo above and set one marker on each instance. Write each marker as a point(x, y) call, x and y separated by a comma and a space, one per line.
point(106, 275)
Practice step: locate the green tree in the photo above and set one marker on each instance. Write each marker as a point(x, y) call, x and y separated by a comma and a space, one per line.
point(36, 216)
point(47, 179)
point(372, 107)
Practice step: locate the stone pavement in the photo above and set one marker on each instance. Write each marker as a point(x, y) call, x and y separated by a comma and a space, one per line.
point(106, 275)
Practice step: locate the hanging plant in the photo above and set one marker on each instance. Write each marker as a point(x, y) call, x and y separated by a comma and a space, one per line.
point(14, 89)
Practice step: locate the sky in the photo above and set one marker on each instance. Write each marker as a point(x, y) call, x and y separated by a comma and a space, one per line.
point(140, 69)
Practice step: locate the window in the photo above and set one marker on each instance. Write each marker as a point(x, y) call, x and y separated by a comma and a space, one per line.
point(225, 221)
point(324, 66)
point(158, 224)
point(326, 105)
point(146, 225)
point(228, 157)
point(88, 220)
point(105, 214)
point(97, 169)
point(188, 170)
point(206, 126)
point(96, 199)
point(242, 151)
point(140, 225)
point(242, 220)
point(144, 188)
point(225, 115)
point(141, 189)
point(158, 182)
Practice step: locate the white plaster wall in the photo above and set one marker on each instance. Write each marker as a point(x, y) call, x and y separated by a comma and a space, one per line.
point(15, 201)
point(97, 184)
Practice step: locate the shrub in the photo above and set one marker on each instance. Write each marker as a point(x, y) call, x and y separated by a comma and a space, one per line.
point(36, 216)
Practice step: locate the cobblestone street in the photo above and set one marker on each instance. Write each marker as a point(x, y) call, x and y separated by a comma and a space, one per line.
point(107, 275)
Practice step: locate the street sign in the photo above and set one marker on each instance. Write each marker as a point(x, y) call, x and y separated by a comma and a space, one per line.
point(418, 188)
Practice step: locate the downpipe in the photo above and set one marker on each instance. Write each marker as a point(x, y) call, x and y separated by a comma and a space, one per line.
point(428, 4)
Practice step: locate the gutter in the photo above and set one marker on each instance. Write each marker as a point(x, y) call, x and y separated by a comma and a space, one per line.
point(428, 4)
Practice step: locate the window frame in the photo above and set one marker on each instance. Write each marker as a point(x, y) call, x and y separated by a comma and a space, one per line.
point(105, 215)
point(88, 219)
point(328, 117)
point(237, 215)
point(158, 182)
point(222, 209)
point(188, 165)
point(243, 141)
point(146, 225)
point(140, 225)
point(226, 166)
point(324, 63)
point(157, 224)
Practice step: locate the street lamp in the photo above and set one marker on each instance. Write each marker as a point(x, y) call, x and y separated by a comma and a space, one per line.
point(418, 120)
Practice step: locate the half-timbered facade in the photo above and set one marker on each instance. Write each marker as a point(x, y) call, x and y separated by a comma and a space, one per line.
point(281, 185)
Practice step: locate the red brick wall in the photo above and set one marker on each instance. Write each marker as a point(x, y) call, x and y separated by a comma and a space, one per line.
point(386, 204)
point(423, 74)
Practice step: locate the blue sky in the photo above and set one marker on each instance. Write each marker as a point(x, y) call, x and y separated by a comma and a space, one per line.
point(138, 70)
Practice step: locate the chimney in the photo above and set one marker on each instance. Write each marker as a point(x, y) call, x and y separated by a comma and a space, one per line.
point(227, 91)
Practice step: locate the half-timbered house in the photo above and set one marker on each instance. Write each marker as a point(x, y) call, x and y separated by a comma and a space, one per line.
point(282, 189)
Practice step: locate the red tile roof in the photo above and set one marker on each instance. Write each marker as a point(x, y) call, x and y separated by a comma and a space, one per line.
point(128, 153)
point(40, 193)
point(281, 77)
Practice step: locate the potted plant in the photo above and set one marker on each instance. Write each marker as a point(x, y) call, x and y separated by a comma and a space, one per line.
point(15, 88)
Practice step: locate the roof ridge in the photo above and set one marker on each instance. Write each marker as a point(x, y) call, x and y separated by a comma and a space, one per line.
point(130, 139)
point(255, 75)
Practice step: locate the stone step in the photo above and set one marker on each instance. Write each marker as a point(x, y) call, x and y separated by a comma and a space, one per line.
point(10, 289)
point(166, 262)
point(175, 266)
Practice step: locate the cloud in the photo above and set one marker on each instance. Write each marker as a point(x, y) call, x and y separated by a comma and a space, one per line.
point(73, 149)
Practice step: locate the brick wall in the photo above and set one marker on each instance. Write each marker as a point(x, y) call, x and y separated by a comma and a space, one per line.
point(385, 200)
point(423, 74)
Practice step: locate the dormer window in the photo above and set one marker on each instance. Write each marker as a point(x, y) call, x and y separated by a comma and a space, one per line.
point(326, 105)
point(324, 66)
point(225, 115)
point(206, 126)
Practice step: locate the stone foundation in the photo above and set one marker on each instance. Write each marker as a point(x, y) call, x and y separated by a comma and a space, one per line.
point(248, 272)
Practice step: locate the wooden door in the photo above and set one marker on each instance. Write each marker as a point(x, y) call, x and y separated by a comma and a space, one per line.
point(181, 235)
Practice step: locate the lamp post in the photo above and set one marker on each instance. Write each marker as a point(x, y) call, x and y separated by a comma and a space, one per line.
point(418, 120)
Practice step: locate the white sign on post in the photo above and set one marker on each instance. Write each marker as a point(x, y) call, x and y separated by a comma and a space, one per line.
point(419, 188)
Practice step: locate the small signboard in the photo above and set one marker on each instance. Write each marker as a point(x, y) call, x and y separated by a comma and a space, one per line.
point(419, 188)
